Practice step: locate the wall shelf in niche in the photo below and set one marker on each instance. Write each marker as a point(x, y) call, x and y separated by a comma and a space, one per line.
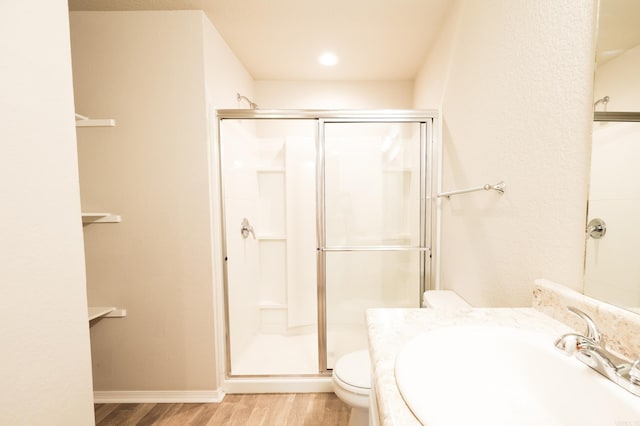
point(106, 312)
point(270, 170)
point(271, 237)
point(100, 218)
point(397, 170)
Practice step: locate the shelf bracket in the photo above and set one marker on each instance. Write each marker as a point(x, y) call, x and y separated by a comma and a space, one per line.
point(100, 218)
point(83, 121)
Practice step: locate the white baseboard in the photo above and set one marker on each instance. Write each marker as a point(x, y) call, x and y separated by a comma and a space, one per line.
point(117, 397)
point(278, 385)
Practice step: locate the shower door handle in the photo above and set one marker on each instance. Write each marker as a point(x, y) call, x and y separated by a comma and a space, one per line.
point(246, 229)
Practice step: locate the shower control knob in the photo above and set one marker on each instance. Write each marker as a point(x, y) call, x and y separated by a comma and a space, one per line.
point(596, 228)
point(246, 229)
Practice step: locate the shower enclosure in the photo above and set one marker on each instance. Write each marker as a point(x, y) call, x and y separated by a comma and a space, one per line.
point(324, 214)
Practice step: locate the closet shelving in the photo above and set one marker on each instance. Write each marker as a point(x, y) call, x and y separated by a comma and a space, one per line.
point(90, 217)
point(83, 121)
point(95, 312)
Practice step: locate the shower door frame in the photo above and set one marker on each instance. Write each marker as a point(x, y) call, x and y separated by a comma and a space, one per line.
point(429, 172)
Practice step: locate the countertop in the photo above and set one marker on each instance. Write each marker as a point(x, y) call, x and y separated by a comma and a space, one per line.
point(390, 329)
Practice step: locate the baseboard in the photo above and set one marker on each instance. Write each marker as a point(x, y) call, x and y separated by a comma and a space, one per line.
point(113, 397)
point(278, 385)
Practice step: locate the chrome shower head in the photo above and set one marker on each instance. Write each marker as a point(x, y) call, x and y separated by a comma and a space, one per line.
point(252, 104)
point(604, 101)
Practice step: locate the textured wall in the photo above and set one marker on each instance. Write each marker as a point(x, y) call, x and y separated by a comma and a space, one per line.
point(46, 366)
point(516, 82)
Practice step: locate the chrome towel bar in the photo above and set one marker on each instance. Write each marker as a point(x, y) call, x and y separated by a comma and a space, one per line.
point(499, 187)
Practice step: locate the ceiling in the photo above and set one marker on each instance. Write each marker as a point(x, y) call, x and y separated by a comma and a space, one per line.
point(374, 39)
point(282, 39)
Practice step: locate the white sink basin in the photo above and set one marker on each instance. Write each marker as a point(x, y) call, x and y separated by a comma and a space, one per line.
point(489, 375)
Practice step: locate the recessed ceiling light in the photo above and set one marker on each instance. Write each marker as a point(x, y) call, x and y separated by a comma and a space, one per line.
point(328, 59)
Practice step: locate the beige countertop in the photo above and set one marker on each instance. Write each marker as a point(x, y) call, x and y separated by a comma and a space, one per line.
point(390, 329)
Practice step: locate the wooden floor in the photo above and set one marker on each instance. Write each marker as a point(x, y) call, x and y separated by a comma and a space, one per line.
point(234, 410)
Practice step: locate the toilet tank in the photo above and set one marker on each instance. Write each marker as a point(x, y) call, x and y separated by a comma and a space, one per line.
point(445, 299)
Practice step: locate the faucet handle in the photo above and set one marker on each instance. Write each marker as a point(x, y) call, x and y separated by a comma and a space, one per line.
point(592, 331)
point(246, 229)
point(634, 373)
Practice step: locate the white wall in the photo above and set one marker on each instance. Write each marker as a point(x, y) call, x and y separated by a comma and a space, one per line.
point(618, 79)
point(225, 76)
point(333, 94)
point(514, 82)
point(46, 367)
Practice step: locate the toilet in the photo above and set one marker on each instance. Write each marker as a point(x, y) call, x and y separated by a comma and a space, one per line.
point(351, 381)
point(351, 378)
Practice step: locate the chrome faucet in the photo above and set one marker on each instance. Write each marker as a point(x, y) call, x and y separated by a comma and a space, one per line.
point(590, 349)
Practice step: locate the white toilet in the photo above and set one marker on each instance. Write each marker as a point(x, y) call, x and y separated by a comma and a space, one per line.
point(351, 377)
point(351, 382)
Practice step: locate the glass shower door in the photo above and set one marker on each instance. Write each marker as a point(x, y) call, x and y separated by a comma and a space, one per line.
point(268, 182)
point(374, 239)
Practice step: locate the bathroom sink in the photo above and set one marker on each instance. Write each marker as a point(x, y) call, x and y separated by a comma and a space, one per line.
point(490, 375)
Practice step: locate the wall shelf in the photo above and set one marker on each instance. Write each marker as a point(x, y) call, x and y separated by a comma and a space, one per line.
point(106, 122)
point(106, 312)
point(271, 237)
point(82, 121)
point(270, 170)
point(100, 218)
point(397, 170)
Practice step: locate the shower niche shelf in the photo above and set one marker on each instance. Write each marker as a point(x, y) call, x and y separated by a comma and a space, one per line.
point(270, 170)
point(271, 237)
point(397, 170)
point(90, 217)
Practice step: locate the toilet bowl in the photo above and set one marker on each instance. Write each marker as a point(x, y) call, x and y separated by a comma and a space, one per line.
point(351, 381)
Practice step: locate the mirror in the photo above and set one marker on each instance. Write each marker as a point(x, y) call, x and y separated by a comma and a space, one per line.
point(612, 260)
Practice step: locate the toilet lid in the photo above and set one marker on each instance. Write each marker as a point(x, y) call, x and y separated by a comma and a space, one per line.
point(354, 369)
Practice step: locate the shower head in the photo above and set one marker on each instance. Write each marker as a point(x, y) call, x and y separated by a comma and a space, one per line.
point(604, 101)
point(252, 105)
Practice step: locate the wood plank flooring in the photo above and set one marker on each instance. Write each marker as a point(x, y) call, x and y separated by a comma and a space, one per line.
point(312, 409)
